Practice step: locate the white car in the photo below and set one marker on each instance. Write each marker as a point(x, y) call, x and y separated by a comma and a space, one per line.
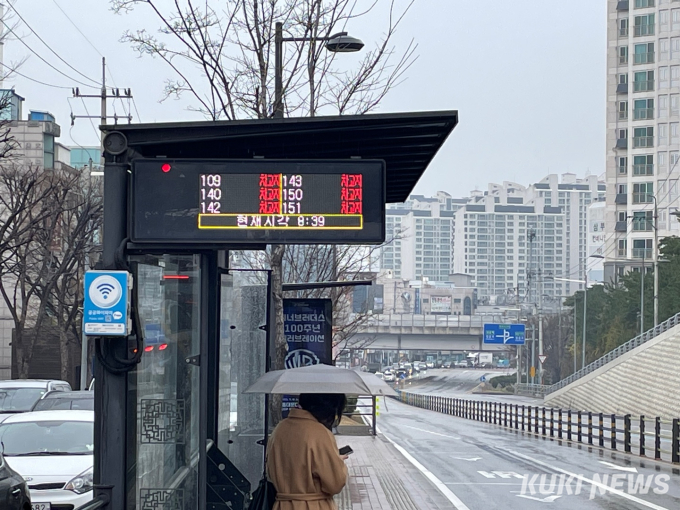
point(388, 376)
point(53, 451)
point(19, 395)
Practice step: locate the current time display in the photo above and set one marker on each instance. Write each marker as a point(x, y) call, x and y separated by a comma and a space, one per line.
point(281, 201)
point(257, 201)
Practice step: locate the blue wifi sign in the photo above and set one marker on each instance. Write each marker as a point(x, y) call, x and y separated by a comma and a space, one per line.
point(106, 303)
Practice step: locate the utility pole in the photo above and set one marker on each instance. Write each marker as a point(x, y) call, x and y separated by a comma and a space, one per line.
point(655, 259)
point(642, 294)
point(103, 96)
point(539, 284)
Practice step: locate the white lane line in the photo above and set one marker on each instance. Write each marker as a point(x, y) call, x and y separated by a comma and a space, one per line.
point(483, 483)
point(599, 485)
point(455, 501)
point(430, 432)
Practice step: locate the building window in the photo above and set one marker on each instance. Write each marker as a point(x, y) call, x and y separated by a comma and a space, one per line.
point(643, 109)
point(48, 151)
point(642, 221)
point(644, 81)
point(623, 55)
point(623, 110)
point(664, 50)
point(623, 165)
point(641, 4)
point(643, 137)
point(623, 27)
point(643, 165)
point(675, 19)
point(675, 76)
point(642, 248)
point(644, 53)
point(644, 25)
point(663, 106)
point(663, 134)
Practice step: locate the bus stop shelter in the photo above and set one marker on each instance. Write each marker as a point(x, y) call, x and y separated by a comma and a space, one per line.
point(173, 429)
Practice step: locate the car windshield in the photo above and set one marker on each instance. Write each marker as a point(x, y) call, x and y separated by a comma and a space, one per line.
point(56, 437)
point(47, 404)
point(19, 400)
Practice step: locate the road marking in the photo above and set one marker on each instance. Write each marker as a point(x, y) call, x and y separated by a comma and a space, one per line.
point(549, 499)
point(484, 483)
point(472, 459)
point(621, 468)
point(455, 501)
point(599, 485)
point(501, 474)
point(430, 432)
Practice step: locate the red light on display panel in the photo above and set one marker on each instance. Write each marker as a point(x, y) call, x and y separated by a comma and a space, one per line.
point(166, 167)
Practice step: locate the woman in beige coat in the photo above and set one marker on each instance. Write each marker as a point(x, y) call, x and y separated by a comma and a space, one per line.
point(303, 461)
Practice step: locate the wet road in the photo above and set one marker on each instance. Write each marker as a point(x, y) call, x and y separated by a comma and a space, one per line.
point(485, 466)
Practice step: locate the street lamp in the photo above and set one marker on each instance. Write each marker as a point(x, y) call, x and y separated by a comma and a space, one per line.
point(336, 43)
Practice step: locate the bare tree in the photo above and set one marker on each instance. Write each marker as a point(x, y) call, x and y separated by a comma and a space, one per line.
point(44, 218)
point(221, 54)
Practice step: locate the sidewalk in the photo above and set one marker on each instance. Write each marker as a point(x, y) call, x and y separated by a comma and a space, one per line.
point(380, 478)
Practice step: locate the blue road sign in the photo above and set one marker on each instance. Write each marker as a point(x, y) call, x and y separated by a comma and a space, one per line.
point(106, 303)
point(508, 334)
point(483, 378)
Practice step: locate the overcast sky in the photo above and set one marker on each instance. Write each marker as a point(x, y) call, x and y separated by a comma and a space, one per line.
point(527, 78)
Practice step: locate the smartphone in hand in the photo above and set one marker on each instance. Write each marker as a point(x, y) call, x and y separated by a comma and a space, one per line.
point(346, 450)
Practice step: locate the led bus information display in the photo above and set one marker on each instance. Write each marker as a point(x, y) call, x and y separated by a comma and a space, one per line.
point(187, 201)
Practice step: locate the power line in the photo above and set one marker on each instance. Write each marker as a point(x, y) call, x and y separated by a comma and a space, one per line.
point(134, 103)
point(48, 46)
point(76, 27)
point(41, 58)
point(12, 70)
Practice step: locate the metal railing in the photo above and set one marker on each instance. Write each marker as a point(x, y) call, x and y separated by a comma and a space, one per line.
point(537, 390)
point(643, 169)
point(625, 433)
point(642, 30)
point(644, 58)
point(433, 321)
point(643, 86)
point(619, 351)
point(643, 141)
point(643, 113)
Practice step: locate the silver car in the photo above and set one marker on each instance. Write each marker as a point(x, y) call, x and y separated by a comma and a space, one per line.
point(20, 395)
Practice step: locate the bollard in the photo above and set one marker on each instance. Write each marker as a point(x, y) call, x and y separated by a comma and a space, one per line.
point(590, 427)
point(523, 419)
point(675, 442)
point(569, 425)
point(579, 424)
point(543, 420)
point(552, 422)
point(601, 431)
point(626, 433)
point(612, 432)
point(559, 424)
point(517, 416)
point(536, 421)
point(505, 415)
point(642, 436)
point(657, 438)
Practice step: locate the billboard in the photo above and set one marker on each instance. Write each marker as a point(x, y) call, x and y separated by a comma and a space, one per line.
point(308, 328)
point(440, 304)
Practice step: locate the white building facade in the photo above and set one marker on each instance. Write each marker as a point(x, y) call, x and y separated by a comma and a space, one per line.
point(419, 234)
point(643, 129)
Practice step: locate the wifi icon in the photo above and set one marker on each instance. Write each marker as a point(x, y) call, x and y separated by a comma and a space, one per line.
point(105, 291)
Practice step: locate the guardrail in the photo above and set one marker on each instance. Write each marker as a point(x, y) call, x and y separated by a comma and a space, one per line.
point(626, 433)
point(429, 321)
point(620, 350)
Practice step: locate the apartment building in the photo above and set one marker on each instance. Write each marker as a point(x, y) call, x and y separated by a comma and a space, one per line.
point(420, 237)
point(643, 129)
point(510, 245)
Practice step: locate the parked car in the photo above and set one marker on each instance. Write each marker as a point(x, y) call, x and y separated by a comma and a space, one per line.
point(53, 452)
point(20, 395)
point(447, 364)
point(62, 400)
point(461, 364)
point(13, 488)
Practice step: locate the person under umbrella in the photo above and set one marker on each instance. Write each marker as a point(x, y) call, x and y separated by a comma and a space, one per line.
point(303, 461)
